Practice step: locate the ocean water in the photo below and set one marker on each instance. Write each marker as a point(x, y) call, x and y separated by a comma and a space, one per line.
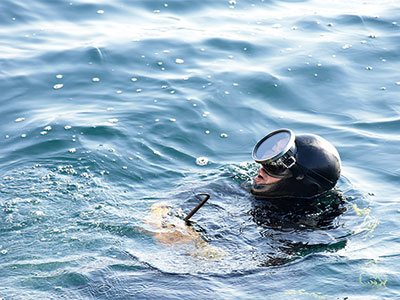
point(109, 108)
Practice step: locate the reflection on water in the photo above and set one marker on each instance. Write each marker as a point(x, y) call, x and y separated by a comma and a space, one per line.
point(299, 227)
point(310, 214)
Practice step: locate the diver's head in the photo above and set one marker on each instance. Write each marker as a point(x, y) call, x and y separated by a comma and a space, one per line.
point(301, 166)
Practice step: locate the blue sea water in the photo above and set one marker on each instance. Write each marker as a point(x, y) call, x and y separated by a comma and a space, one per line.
point(110, 107)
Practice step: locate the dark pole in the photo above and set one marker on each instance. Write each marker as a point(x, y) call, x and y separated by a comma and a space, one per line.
point(198, 206)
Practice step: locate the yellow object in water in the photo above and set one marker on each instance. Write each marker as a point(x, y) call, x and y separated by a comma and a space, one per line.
point(171, 230)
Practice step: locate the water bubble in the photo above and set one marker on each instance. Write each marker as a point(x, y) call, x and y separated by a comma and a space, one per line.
point(133, 79)
point(202, 161)
point(226, 93)
point(372, 36)
point(19, 120)
point(368, 68)
point(179, 61)
point(59, 76)
point(330, 24)
point(202, 49)
point(119, 92)
point(58, 86)
point(156, 152)
point(156, 11)
point(113, 120)
point(23, 135)
point(43, 132)
point(363, 42)
point(4, 251)
point(315, 75)
point(110, 108)
point(224, 135)
point(72, 150)
point(207, 132)
point(7, 136)
point(383, 88)
point(235, 84)
point(95, 79)
point(48, 128)
point(124, 167)
point(138, 90)
point(347, 46)
point(165, 4)
point(100, 11)
point(172, 120)
point(276, 26)
point(398, 83)
point(160, 63)
point(67, 127)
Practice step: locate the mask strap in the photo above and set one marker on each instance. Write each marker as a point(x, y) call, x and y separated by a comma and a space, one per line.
point(298, 170)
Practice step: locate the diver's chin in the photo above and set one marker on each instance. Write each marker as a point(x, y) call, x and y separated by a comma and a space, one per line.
point(259, 189)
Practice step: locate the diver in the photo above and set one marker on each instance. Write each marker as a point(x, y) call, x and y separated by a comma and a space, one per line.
point(294, 166)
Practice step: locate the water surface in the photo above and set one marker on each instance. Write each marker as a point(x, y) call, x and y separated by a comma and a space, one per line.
point(109, 107)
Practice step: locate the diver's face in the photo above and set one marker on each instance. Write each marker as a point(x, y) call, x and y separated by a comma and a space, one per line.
point(264, 178)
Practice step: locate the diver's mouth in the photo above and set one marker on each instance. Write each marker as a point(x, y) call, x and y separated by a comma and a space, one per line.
point(260, 177)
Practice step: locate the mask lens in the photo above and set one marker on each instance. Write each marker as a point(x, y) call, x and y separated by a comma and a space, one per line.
point(270, 150)
point(273, 145)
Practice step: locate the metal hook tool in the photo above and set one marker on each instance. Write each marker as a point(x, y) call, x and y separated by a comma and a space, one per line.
point(207, 196)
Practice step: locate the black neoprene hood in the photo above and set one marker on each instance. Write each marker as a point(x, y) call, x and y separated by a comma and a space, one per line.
point(316, 171)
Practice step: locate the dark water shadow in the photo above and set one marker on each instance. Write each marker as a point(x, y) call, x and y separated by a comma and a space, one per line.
point(299, 227)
